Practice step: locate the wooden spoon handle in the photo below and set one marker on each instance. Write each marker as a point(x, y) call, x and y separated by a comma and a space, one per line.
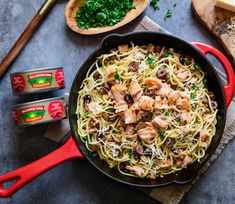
point(20, 43)
point(25, 36)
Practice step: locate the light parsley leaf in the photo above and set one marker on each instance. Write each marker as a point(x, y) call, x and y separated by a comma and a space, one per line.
point(111, 110)
point(168, 14)
point(162, 134)
point(151, 61)
point(195, 87)
point(219, 117)
point(154, 4)
point(205, 83)
point(192, 96)
point(165, 112)
point(117, 77)
point(197, 66)
point(167, 53)
point(130, 154)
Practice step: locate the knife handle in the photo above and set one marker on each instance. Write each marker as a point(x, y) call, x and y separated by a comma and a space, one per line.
point(25, 36)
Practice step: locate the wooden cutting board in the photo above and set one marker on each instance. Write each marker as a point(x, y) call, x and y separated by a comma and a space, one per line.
point(216, 20)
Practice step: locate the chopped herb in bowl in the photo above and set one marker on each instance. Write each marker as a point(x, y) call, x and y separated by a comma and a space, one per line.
point(99, 13)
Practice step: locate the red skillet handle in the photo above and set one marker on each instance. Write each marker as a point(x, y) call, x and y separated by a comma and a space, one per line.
point(24, 175)
point(230, 87)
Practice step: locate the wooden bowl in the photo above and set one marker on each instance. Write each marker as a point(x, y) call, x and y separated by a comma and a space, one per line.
point(73, 5)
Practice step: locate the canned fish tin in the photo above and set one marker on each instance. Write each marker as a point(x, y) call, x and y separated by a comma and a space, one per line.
point(37, 112)
point(38, 80)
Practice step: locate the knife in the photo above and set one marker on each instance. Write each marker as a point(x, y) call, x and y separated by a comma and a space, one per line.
point(25, 36)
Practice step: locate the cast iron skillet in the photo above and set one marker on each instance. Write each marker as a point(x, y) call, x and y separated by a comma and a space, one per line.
point(70, 149)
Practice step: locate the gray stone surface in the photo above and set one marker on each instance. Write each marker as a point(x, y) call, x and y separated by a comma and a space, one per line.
point(76, 181)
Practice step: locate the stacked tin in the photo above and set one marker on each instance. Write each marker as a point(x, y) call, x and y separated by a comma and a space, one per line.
point(38, 81)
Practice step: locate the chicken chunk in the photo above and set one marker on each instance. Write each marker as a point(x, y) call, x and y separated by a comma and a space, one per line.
point(151, 47)
point(142, 125)
point(110, 71)
point(129, 129)
point(160, 103)
point(203, 144)
point(187, 160)
point(136, 169)
point(185, 117)
point(146, 134)
point(183, 104)
point(165, 164)
point(179, 163)
point(123, 48)
point(182, 75)
point(165, 90)
point(92, 106)
point(130, 116)
point(121, 106)
point(131, 136)
point(205, 137)
point(159, 123)
point(146, 103)
point(153, 83)
point(185, 96)
point(118, 92)
point(174, 96)
point(193, 80)
point(135, 90)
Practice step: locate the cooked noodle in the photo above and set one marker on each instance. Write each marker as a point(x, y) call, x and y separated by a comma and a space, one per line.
point(169, 131)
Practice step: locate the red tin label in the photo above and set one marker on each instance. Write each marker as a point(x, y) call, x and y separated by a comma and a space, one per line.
point(16, 116)
point(18, 83)
point(59, 77)
point(56, 109)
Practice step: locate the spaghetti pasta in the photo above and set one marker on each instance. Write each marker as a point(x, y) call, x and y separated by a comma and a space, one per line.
point(146, 110)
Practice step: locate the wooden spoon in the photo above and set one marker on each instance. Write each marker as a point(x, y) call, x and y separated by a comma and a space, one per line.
point(73, 5)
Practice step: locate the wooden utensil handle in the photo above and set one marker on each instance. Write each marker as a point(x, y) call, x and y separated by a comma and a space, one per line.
point(25, 36)
point(20, 43)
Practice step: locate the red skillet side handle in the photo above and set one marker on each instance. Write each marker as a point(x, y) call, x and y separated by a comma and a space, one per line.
point(230, 87)
point(24, 175)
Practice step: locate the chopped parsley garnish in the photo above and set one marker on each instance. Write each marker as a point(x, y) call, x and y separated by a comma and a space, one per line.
point(205, 83)
point(168, 14)
point(100, 13)
point(197, 122)
point(165, 112)
point(113, 130)
point(150, 61)
point(219, 117)
point(177, 119)
point(111, 110)
point(167, 53)
point(197, 66)
point(117, 77)
point(195, 87)
point(162, 134)
point(130, 154)
point(192, 96)
point(154, 4)
point(87, 113)
point(85, 138)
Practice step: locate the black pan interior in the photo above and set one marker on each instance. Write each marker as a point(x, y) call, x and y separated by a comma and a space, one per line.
point(169, 41)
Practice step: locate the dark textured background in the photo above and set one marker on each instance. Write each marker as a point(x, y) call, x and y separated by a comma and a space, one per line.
point(76, 181)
